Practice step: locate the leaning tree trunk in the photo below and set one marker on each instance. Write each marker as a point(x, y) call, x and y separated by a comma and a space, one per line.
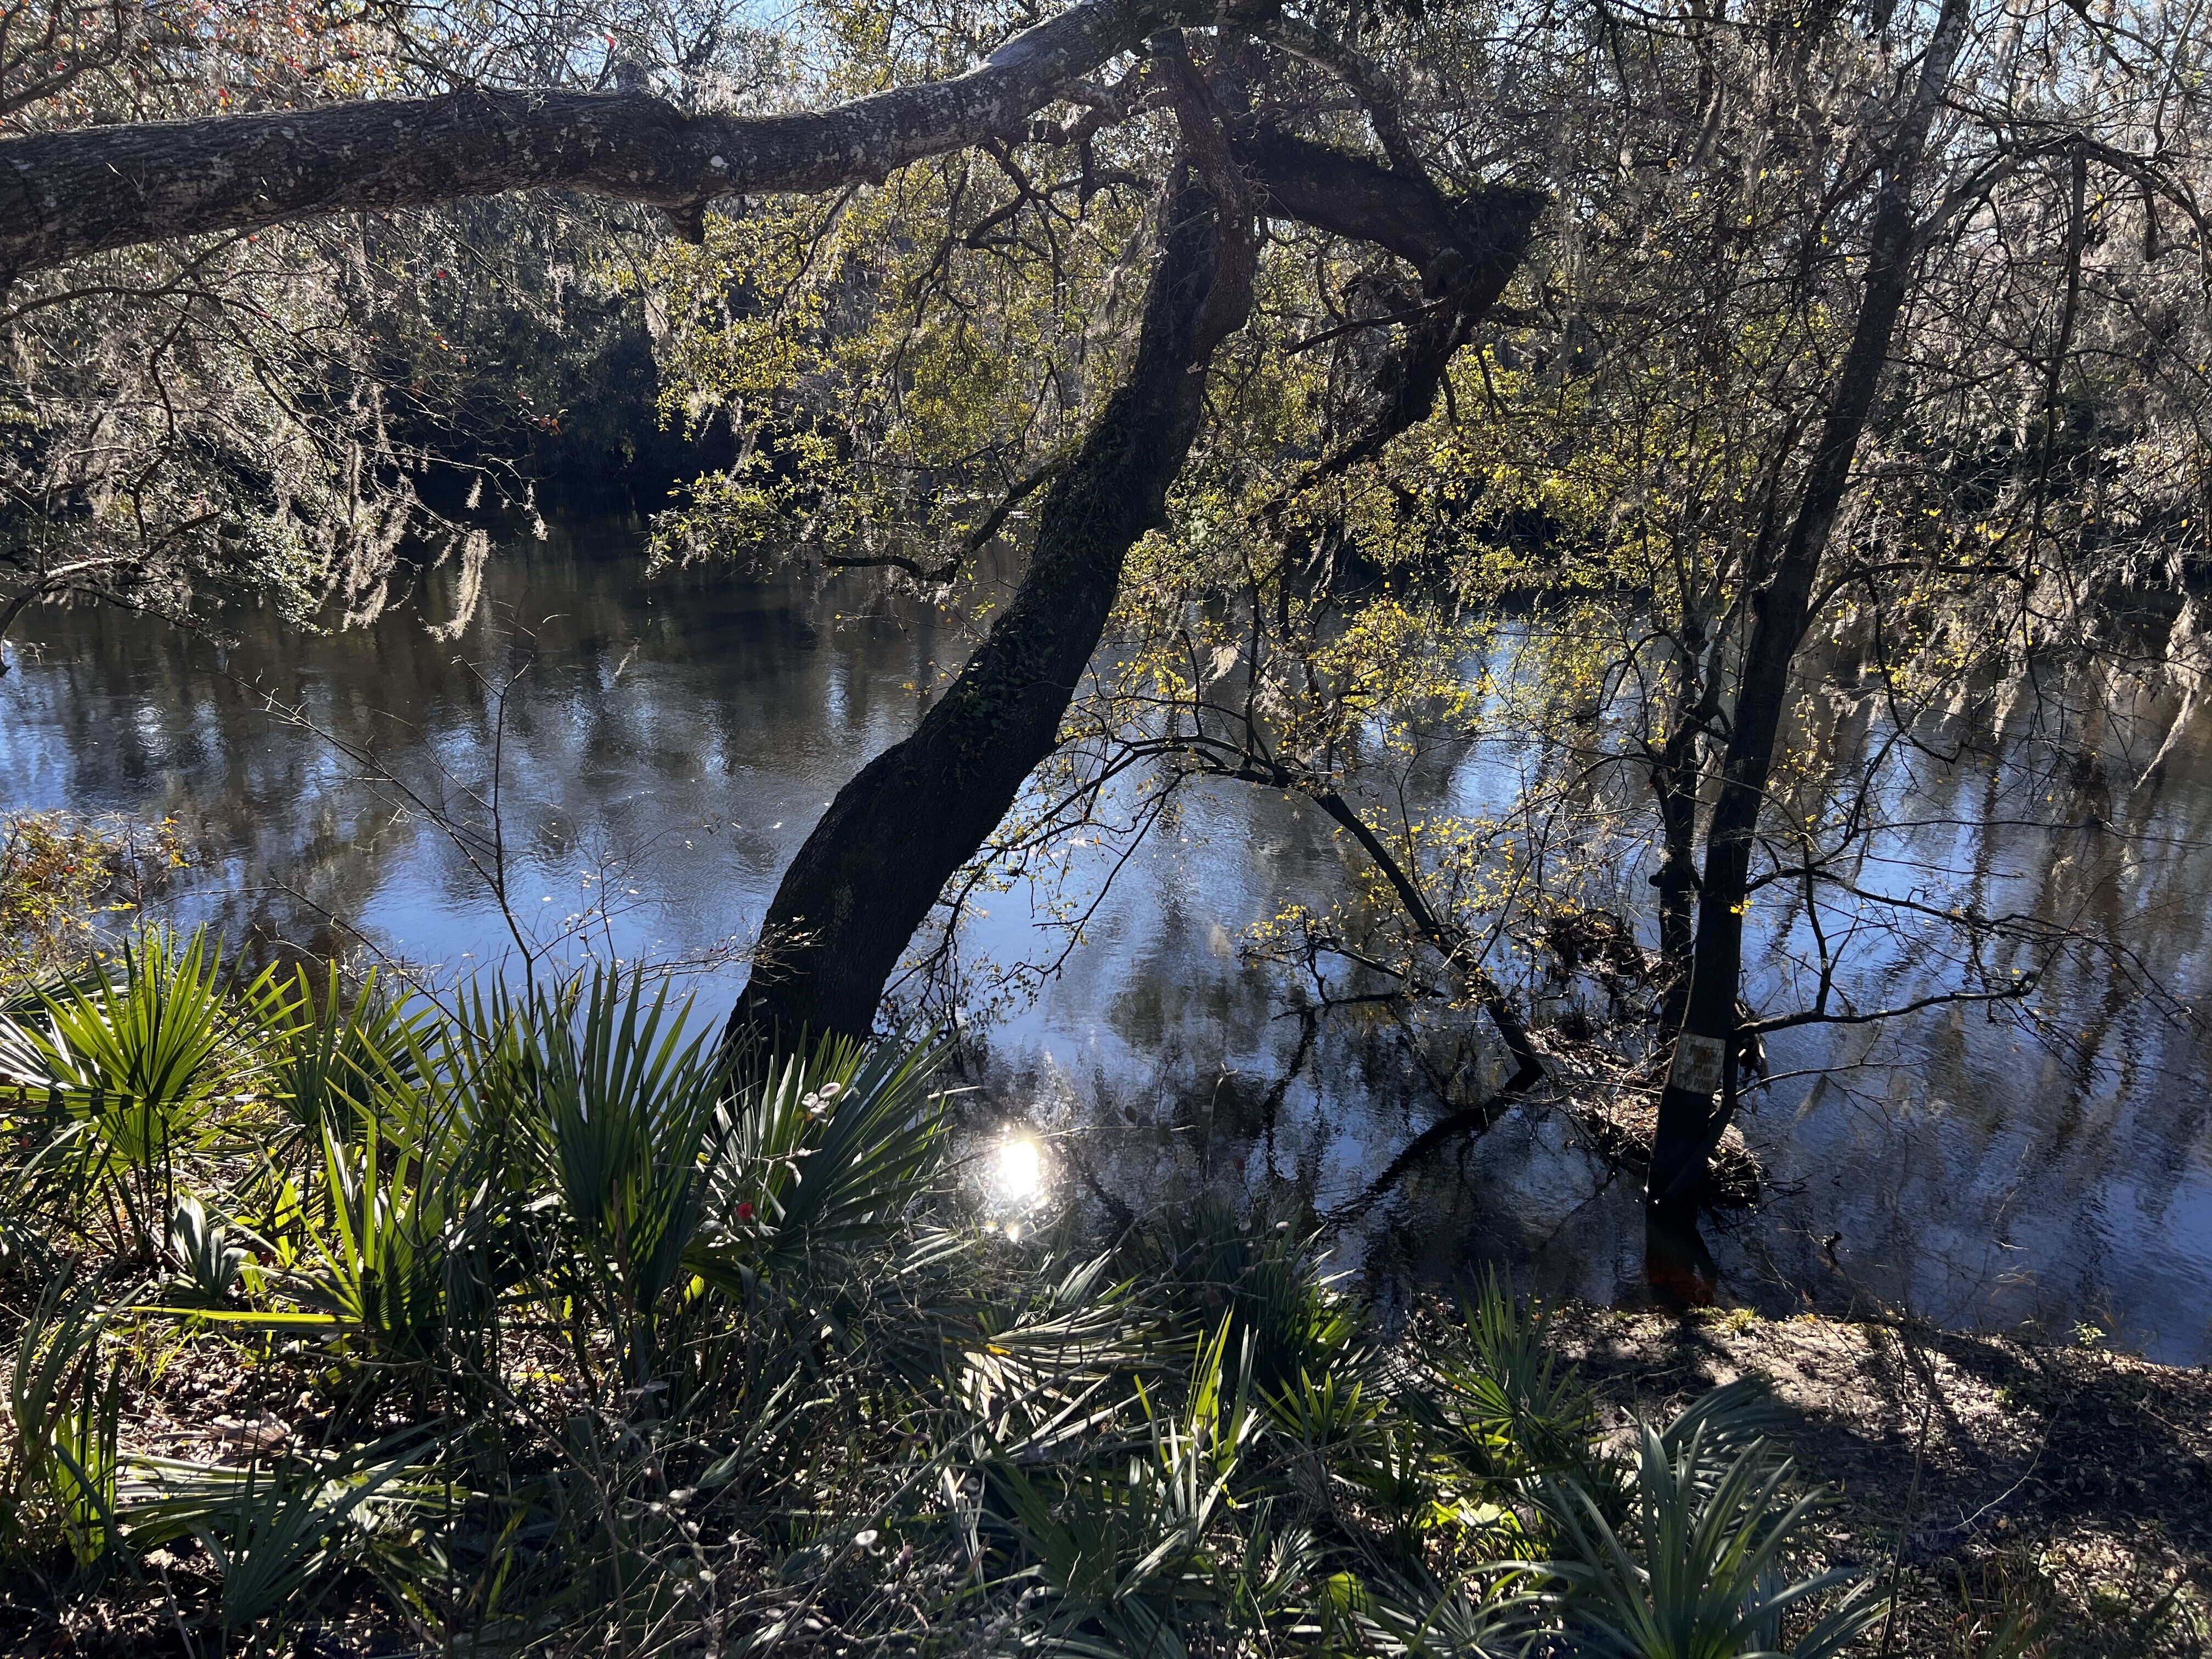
point(869, 872)
point(1689, 1127)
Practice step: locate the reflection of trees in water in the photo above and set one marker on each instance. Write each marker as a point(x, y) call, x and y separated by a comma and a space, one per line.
point(649, 704)
point(1956, 1129)
point(633, 691)
point(1931, 1146)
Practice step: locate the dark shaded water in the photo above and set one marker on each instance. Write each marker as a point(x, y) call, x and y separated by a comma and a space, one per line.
point(664, 747)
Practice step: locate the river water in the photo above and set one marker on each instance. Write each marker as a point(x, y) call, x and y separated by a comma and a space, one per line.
point(663, 746)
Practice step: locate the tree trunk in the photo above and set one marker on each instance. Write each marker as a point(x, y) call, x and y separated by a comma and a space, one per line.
point(1704, 1050)
point(869, 872)
point(1674, 786)
point(868, 875)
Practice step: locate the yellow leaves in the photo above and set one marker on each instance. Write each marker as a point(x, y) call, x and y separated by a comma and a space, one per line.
point(59, 872)
point(1389, 656)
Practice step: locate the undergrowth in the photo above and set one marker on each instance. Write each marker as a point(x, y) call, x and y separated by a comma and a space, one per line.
point(340, 1321)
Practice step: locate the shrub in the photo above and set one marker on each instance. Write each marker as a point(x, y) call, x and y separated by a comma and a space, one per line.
point(528, 1324)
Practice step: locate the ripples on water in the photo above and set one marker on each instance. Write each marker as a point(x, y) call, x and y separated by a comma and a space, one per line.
point(667, 745)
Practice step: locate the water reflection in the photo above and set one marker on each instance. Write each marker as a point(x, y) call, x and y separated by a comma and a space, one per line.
point(665, 746)
point(1678, 1267)
point(1018, 1181)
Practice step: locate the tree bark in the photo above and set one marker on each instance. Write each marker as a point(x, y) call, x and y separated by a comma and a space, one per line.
point(1351, 196)
point(1467, 250)
point(872, 870)
point(1674, 777)
point(79, 192)
point(1704, 1050)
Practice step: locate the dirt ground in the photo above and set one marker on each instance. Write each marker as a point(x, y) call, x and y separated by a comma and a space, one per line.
point(2067, 1491)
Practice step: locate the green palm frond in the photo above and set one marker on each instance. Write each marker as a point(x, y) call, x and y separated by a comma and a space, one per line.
point(207, 1255)
point(618, 1097)
point(273, 1534)
point(1035, 1363)
point(379, 1266)
point(62, 1450)
point(1700, 1569)
point(1512, 1408)
point(135, 1066)
point(828, 1155)
point(1126, 1543)
point(1265, 1274)
point(84, 1450)
point(333, 1055)
point(1488, 1616)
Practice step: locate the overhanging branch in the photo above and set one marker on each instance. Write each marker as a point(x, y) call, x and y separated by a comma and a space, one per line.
point(66, 194)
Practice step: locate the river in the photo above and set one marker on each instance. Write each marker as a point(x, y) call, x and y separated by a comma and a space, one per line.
point(665, 744)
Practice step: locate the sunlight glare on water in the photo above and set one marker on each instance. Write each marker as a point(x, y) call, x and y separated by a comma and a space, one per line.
point(1018, 1181)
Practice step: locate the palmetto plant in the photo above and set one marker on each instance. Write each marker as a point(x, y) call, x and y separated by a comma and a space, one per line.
point(86, 1455)
point(1512, 1407)
point(208, 1255)
point(334, 1055)
point(1128, 1547)
point(1265, 1276)
point(1700, 1569)
point(679, 1320)
point(273, 1534)
point(135, 1064)
point(617, 1100)
point(824, 1158)
point(61, 1453)
point(378, 1267)
point(1464, 1617)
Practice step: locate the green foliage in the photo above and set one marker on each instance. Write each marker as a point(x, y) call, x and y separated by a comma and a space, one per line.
point(1130, 1551)
point(87, 1458)
point(273, 1536)
point(1515, 1409)
point(1700, 1568)
point(618, 1104)
point(336, 1055)
point(207, 1255)
point(133, 1067)
point(58, 875)
point(378, 1267)
point(697, 1355)
point(1288, 1322)
point(884, 389)
point(60, 1466)
point(824, 1158)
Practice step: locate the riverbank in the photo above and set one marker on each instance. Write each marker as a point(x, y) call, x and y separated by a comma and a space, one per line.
point(2064, 1484)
